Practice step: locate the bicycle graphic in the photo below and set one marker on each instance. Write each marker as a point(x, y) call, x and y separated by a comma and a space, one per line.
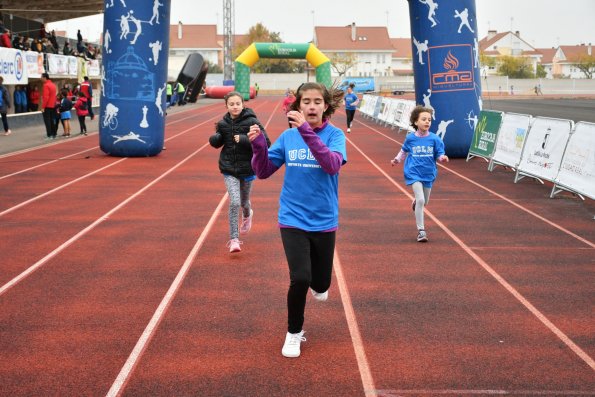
point(110, 120)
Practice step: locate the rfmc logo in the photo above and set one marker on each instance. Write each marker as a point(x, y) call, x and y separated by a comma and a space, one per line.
point(451, 68)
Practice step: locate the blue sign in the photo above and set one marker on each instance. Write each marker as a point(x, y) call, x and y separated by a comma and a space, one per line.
point(362, 84)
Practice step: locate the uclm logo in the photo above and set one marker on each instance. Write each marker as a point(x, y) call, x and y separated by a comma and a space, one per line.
point(451, 68)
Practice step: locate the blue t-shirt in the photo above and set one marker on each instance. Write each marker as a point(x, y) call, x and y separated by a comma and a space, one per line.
point(422, 153)
point(309, 197)
point(349, 99)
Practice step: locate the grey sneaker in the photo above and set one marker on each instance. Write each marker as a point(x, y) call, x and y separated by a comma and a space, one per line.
point(291, 347)
point(422, 237)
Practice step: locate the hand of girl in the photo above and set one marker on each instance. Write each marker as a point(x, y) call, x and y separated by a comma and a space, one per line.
point(254, 132)
point(236, 138)
point(296, 118)
point(443, 158)
point(394, 162)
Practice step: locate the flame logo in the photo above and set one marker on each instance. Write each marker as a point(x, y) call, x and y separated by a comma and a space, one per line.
point(451, 62)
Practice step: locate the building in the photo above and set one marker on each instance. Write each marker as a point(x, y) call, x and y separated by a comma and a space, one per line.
point(401, 63)
point(547, 61)
point(566, 58)
point(507, 44)
point(356, 50)
point(188, 39)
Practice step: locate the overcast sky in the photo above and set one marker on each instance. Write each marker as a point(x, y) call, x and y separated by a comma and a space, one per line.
point(541, 23)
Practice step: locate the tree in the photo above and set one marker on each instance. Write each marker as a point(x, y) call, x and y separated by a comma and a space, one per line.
point(586, 64)
point(541, 72)
point(213, 68)
point(260, 34)
point(515, 67)
point(341, 62)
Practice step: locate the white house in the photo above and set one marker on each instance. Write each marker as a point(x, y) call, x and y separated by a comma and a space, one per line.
point(508, 43)
point(370, 48)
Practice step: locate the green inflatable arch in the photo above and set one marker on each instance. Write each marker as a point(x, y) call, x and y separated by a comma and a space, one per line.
point(255, 51)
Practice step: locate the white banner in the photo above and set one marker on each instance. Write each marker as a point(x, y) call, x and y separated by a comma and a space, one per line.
point(93, 68)
point(405, 114)
point(72, 66)
point(12, 66)
point(370, 105)
point(34, 63)
point(577, 171)
point(511, 138)
point(384, 109)
point(57, 64)
point(544, 147)
point(392, 117)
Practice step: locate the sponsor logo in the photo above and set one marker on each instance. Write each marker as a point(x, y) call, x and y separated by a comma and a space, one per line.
point(20, 65)
point(451, 68)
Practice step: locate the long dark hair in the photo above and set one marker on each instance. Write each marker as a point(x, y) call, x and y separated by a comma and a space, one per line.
point(332, 97)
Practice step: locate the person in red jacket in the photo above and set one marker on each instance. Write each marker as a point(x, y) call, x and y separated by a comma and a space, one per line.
point(48, 101)
point(34, 99)
point(5, 40)
point(87, 88)
point(82, 111)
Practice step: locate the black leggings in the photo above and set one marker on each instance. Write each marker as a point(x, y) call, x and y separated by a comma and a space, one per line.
point(4, 121)
point(310, 259)
point(350, 114)
point(82, 124)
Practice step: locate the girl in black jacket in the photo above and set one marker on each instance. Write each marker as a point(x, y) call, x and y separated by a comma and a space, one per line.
point(234, 163)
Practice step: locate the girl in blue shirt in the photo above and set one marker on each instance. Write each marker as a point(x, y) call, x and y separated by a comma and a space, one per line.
point(351, 102)
point(421, 150)
point(313, 151)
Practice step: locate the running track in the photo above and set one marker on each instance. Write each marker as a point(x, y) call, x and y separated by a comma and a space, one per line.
point(115, 278)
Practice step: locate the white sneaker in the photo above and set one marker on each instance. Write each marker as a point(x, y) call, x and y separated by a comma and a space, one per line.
point(319, 296)
point(291, 347)
point(348, 130)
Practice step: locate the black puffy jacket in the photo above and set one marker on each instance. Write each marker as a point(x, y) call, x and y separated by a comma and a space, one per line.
point(235, 157)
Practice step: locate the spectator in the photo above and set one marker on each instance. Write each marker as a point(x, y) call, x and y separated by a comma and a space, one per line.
point(26, 44)
point(54, 40)
point(67, 50)
point(49, 106)
point(16, 41)
point(4, 106)
point(20, 100)
point(79, 36)
point(87, 89)
point(34, 99)
point(81, 111)
point(5, 39)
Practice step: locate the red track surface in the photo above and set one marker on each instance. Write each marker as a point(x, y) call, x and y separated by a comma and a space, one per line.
point(115, 279)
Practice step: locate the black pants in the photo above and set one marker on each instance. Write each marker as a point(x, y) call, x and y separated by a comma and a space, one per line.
point(4, 121)
point(82, 124)
point(90, 106)
point(310, 260)
point(49, 117)
point(350, 114)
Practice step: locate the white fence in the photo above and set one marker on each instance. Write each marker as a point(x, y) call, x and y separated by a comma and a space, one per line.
point(554, 150)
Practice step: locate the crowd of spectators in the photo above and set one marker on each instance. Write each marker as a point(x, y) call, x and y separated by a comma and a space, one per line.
point(45, 42)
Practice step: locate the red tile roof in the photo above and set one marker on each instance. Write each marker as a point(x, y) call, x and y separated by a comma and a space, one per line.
point(194, 36)
point(368, 38)
point(402, 47)
point(548, 54)
point(485, 42)
point(574, 52)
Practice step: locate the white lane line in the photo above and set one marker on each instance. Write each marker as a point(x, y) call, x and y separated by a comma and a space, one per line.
point(150, 329)
point(356, 337)
point(100, 220)
point(94, 132)
point(31, 200)
point(563, 337)
point(488, 392)
point(24, 203)
point(551, 223)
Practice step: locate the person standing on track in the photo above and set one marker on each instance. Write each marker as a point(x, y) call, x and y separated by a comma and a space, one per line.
point(48, 101)
point(351, 102)
point(4, 106)
point(421, 150)
point(313, 151)
point(286, 107)
point(87, 89)
point(234, 163)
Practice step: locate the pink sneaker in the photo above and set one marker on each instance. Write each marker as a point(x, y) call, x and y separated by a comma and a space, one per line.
point(246, 223)
point(234, 245)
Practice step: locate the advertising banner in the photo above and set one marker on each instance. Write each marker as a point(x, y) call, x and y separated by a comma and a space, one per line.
point(577, 171)
point(34, 63)
point(362, 84)
point(385, 109)
point(486, 134)
point(511, 138)
point(57, 64)
point(12, 66)
point(445, 52)
point(544, 148)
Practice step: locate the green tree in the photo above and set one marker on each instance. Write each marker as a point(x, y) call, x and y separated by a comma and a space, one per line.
point(213, 68)
point(541, 72)
point(586, 64)
point(260, 34)
point(515, 67)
